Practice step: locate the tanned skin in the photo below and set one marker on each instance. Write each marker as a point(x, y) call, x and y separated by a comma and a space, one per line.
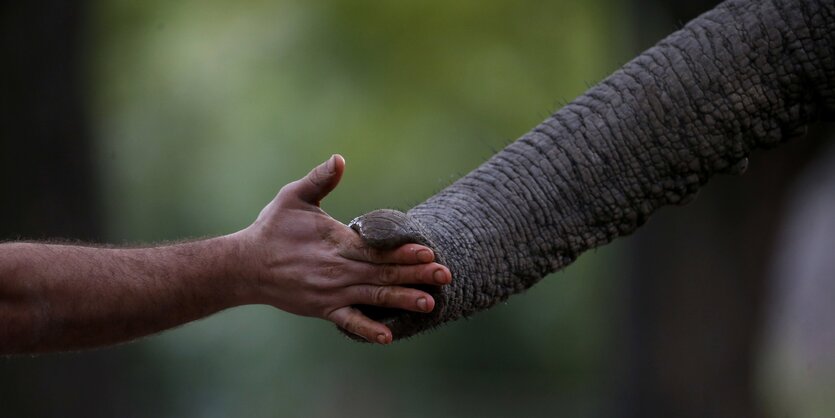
point(294, 257)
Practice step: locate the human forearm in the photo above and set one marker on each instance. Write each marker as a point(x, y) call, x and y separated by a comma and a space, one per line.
point(62, 297)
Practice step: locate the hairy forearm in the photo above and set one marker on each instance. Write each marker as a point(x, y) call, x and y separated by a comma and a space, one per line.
point(64, 297)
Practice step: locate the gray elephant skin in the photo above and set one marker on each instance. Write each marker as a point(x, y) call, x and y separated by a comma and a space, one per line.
point(748, 74)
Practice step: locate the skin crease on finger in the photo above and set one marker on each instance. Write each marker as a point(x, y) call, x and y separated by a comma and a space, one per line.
point(746, 75)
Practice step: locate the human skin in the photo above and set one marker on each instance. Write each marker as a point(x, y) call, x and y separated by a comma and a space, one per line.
point(747, 75)
point(294, 257)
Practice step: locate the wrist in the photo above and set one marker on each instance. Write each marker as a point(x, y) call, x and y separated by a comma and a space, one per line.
point(239, 267)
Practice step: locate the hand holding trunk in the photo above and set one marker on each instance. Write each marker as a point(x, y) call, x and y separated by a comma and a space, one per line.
point(294, 257)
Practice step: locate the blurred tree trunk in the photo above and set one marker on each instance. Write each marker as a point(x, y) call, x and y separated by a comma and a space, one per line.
point(47, 175)
point(697, 275)
point(49, 191)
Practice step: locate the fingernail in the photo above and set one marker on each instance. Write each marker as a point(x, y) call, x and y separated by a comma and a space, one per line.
point(425, 256)
point(381, 338)
point(422, 305)
point(332, 164)
point(439, 276)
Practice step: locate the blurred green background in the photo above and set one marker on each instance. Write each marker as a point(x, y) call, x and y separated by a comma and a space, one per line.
point(196, 113)
point(203, 110)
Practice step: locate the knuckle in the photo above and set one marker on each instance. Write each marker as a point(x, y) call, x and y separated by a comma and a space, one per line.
point(380, 295)
point(345, 322)
point(367, 252)
point(343, 244)
point(287, 194)
point(288, 189)
point(387, 274)
point(330, 272)
point(353, 246)
point(349, 322)
point(349, 326)
point(314, 281)
point(336, 267)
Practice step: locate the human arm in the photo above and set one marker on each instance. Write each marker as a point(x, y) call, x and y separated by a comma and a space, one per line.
point(294, 256)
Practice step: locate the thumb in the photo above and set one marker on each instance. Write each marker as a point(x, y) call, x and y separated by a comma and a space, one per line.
point(321, 180)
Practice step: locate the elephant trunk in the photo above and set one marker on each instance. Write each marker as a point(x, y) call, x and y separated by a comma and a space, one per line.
point(749, 74)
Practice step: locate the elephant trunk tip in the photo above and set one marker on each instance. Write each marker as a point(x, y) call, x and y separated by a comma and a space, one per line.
point(386, 229)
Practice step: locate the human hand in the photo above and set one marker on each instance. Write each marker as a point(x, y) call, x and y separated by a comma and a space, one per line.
point(303, 261)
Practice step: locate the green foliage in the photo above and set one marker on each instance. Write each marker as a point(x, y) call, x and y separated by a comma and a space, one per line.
point(204, 109)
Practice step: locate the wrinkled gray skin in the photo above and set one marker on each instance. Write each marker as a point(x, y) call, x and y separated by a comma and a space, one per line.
point(749, 74)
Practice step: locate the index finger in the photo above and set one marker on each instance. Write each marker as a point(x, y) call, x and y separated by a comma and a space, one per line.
point(354, 248)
